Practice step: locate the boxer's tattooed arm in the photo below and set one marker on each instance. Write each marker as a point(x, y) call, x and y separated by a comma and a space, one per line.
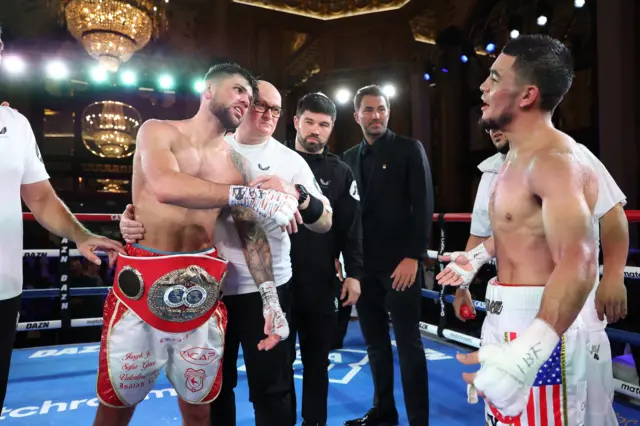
point(255, 244)
point(253, 237)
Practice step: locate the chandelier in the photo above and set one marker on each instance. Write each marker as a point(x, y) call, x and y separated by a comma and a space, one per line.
point(111, 31)
point(109, 129)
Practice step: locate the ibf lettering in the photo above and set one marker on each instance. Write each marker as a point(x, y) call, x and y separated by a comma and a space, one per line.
point(531, 356)
point(493, 306)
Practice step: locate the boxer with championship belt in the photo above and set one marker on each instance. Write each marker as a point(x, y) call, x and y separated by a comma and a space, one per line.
point(165, 310)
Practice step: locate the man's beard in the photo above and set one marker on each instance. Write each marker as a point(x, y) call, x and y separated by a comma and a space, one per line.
point(224, 114)
point(496, 123)
point(376, 133)
point(310, 146)
point(504, 149)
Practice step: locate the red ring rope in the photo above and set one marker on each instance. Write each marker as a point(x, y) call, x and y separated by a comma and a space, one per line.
point(632, 216)
point(86, 217)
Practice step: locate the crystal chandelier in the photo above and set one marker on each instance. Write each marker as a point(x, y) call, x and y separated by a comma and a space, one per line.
point(113, 30)
point(109, 129)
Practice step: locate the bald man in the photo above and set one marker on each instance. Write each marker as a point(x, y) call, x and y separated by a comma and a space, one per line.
point(269, 373)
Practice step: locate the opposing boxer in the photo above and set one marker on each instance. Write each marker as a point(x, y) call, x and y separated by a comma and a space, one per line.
point(165, 309)
point(609, 296)
point(534, 356)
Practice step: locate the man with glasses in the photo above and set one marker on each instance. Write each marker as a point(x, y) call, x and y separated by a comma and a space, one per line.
point(269, 373)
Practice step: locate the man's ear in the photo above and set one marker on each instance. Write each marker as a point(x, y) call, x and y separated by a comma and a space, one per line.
point(529, 97)
point(207, 93)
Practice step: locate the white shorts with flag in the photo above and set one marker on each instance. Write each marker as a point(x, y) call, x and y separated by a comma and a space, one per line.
point(558, 396)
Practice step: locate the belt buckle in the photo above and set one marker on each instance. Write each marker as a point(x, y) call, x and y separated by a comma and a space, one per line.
point(184, 294)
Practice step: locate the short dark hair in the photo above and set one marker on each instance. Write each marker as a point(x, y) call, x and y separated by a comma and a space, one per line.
point(227, 69)
point(545, 62)
point(318, 103)
point(372, 90)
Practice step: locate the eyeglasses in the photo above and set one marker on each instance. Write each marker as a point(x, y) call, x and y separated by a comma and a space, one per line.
point(261, 107)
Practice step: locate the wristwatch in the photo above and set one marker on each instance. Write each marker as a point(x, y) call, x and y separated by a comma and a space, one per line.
point(304, 194)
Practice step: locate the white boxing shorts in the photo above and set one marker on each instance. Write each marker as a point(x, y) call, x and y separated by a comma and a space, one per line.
point(164, 311)
point(600, 387)
point(559, 393)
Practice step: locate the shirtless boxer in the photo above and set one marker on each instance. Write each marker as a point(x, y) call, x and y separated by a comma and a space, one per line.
point(533, 358)
point(165, 309)
point(609, 297)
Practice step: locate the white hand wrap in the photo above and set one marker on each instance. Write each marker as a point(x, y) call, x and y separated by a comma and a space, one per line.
point(271, 305)
point(509, 370)
point(477, 257)
point(268, 203)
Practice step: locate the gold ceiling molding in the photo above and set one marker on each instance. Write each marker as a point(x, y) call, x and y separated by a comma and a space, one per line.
point(424, 27)
point(327, 10)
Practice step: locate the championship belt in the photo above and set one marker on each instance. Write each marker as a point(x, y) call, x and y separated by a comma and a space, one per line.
point(174, 293)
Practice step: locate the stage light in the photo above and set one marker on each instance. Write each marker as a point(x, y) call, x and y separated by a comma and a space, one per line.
point(165, 82)
point(14, 64)
point(342, 96)
point(542, 20)
point(128, 78)
point(445, 70)
point(514, 34)
point(490, 47)
point(579, 3)
point(198, 86)
point(57, 70)
point(99, 74)
point(427, 76)
point(389, 90)
point(464, 58)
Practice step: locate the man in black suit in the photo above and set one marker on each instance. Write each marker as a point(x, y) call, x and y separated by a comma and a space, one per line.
point(394, 181)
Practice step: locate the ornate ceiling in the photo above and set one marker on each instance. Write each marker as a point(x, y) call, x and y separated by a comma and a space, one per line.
point(327, 9)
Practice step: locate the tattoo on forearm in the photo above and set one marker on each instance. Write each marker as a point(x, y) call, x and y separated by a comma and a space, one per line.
point(255, 244)
point(241, 165)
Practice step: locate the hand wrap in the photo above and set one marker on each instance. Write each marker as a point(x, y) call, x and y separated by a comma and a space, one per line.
point(271, 305)
point(477, 257)
point(268, 203)
point(509, 370)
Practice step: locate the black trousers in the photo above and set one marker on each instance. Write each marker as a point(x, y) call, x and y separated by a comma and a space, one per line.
point(315, 330)
point(9, 310)
point(269, 373)
point(377, 296)
point(344, 316)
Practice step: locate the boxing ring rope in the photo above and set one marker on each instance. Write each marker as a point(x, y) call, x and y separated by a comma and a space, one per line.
point(440, 330)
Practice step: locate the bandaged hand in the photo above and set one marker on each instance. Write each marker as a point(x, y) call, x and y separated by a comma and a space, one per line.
point(463, 266)
point(509, 370)
point(276, 325)
point(266, 202)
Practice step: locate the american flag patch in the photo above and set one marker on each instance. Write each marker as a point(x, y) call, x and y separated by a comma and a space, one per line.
point(548, 396)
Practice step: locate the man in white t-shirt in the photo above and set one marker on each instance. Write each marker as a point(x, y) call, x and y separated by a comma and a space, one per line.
point(23, 176)
point(269, 373)
point(608, 298)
